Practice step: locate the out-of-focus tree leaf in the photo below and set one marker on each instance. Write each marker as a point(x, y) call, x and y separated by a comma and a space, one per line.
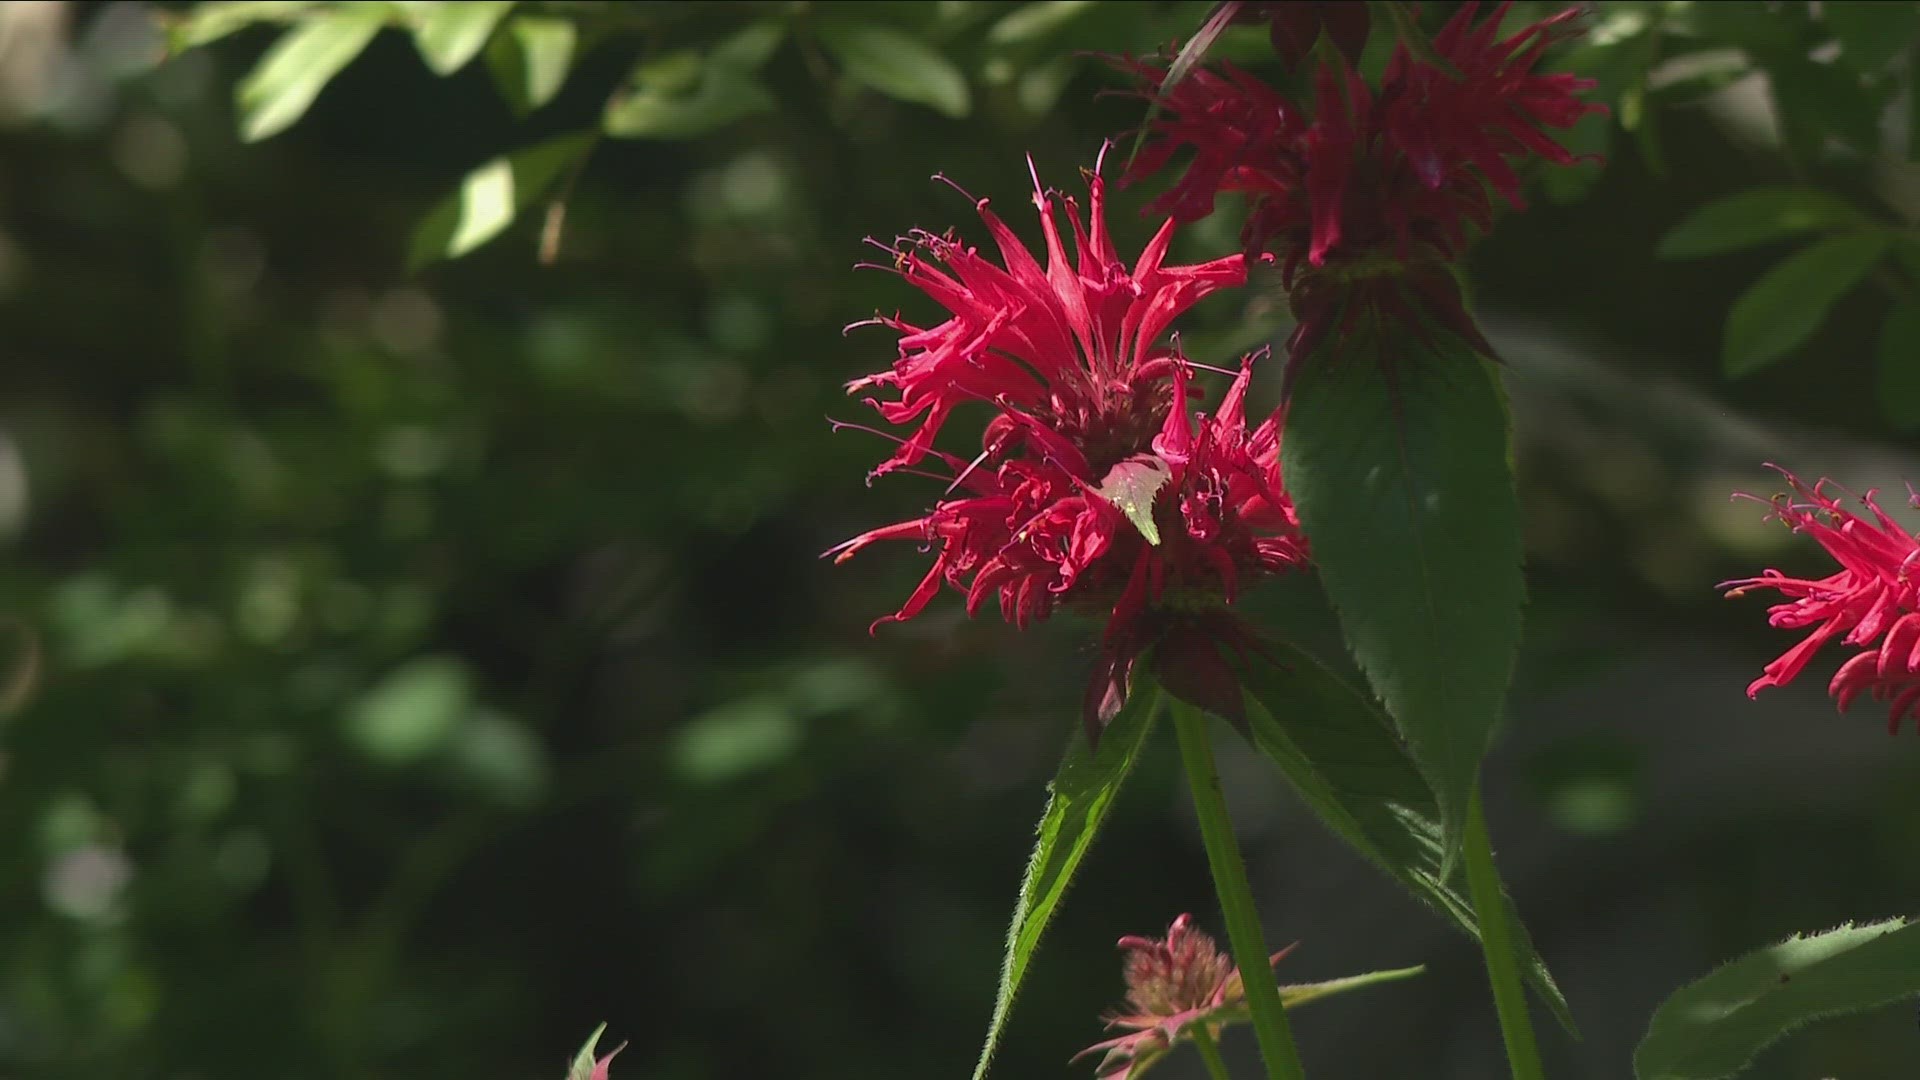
point(453, 33)
point(1715, 1027)
point(898, 65)
point(530, 60)
point(1872, 32)
point(205, 23)
point(1082, 792)
point(1898, 366)
point(1037, 21)
point(491, 197)
point(1754, 217)
point(278, 91)
point(726, 90)
point(411, 712)
point(1789, 302)
point(1819, 103)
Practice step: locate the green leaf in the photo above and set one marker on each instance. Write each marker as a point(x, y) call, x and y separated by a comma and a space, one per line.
point(1302, 993)
point(1131, 486)
point(1782, 310)
point(1035, 22)
point(1819, 103)
point(1758, 216)
point(277, 92)
point(1898, 363)
point(208, 22)
point(413, 711)
point(583, 1063)
point(899, 66)
point(1403, 483)
point(1872, 32)
point(1715, 1027)
point(1082, 792)
point(1341, 754)
point(491, 197)
point(726, 91)
point(453, 33)
point(531, 59)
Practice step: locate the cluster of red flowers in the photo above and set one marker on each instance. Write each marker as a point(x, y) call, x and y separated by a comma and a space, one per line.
point(1872, 601)
point(1094, 481)
point(1373, 191)
point(1095, 484)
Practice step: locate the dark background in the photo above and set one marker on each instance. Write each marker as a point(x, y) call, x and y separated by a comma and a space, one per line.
point(421, 668)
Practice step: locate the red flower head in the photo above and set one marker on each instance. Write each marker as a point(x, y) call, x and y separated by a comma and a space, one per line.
point(1373, 192)
point(1872, 601)
point(1094, 483)
point(1171, 983)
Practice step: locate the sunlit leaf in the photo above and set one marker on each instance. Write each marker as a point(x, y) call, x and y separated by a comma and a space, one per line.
point(1783, 309)
point(1036, 21)
point(1404, 486)
point(899, 66)
point(1715, 1027)
point(530, 60)
point(207, 22)
point(1131, 486)
point(413, 711)
point(1341, 754)
point(1082, 792)
point(293, 72)
point(1754, 217)
point(492, 196)
point(727, 90)
point(451, 34)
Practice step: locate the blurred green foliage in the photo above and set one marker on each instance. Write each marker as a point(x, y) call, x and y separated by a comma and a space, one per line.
point(426, 658)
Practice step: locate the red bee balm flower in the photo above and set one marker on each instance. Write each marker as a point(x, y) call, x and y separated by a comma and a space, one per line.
point(1171, 983)
point(1094, 482)
point(1872, 601)
point(1367, 184)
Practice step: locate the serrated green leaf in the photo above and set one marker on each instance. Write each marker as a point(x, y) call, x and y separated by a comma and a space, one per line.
point(280, 88)
point(1405, 491)
point(1715, 1027)
point(531, 59)
point(1131, 486)
point(1754, 217)
point(491, 196)
point(1782, 310)
point(451, 34)
point(1340, 753)
point(898, 65)
point(1897, 362)
point(208, 22)
point(1871, 32)
point(727, 91)
point(1082, 792)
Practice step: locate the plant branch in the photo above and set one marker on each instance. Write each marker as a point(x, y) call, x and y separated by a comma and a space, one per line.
point(1496, 941)
point(1236, 896)
point(1209, 1053)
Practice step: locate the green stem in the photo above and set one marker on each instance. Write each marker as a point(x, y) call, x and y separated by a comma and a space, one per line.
point(1236, 896)
point(1209, 1053)
point(1496, 941)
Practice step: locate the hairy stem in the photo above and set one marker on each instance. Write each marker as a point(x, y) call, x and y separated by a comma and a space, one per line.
point(1496, 941)
point(1236, 897)
point(1209, 1053)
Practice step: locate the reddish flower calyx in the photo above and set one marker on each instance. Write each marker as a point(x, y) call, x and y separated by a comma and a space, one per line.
point(1871, 602)
point(1172, 983)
